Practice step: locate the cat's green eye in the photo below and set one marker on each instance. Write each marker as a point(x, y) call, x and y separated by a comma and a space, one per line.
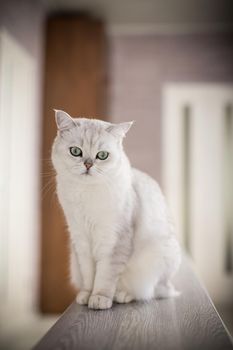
point(102, 155)
point(76, 151)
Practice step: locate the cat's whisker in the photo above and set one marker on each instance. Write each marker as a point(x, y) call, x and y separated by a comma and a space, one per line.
point(47, 187)
point(47, 163)
point(44, 159)
point(77, 167)
point(100, 172)
point(51, 171)
point(49, 194)
point(107, 181)
point(52, 197)
point(49, 174)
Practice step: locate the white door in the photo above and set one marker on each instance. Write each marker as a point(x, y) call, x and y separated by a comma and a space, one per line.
point(198, 177)
point(18, 176)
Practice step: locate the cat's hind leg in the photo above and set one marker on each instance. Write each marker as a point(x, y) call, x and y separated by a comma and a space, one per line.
point(122, 296)
point(138, 279)
point(164, 290)
point(151, 263)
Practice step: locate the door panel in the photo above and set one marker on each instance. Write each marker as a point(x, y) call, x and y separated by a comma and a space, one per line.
point(18, 177)
point(198, 168)
point(75, 80)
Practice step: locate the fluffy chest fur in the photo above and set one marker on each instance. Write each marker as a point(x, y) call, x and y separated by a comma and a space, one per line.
point(90, 202)
point(96, 214)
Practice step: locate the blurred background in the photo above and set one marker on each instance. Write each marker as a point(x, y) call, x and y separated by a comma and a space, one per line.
point(168, 65)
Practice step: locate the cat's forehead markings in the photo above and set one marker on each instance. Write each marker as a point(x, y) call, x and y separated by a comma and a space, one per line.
point(81, 142)
point(91, 136)
point(88, 136)
point(102, 145)
point(75, 138)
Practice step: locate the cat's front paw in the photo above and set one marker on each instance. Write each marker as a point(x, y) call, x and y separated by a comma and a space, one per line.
point(83, 297)
point(99, 302)
point(122, 297)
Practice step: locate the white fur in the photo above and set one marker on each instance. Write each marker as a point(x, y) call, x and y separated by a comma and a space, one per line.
point(122, 242)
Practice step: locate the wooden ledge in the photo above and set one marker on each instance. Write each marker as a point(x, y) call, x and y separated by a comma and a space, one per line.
point(189, 321)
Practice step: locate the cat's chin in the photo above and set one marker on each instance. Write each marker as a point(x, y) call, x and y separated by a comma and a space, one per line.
point(88, 178)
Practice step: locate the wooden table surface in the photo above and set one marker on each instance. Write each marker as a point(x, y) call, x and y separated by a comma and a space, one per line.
point(189, 321)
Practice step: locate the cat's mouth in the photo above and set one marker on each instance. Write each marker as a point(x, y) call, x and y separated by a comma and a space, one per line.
point(85, 173)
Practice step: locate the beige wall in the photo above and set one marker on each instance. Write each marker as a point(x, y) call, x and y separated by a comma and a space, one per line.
point(140, 65)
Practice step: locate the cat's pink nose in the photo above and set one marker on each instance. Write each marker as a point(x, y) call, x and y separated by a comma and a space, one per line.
point(88, 163)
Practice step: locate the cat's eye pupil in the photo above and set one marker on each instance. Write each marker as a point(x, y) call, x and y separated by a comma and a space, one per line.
point(102, 155)
point(76, 151)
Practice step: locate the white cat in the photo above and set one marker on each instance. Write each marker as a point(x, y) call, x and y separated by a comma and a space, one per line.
point(123, 247)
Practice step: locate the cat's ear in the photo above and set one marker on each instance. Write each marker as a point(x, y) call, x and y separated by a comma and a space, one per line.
point(63, 120)
point(119, 130)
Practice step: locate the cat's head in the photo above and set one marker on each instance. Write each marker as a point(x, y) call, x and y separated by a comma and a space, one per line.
point(87, 149)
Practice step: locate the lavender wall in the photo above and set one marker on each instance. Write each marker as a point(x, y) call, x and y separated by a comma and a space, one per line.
point(23, 19)
point(139, 67)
